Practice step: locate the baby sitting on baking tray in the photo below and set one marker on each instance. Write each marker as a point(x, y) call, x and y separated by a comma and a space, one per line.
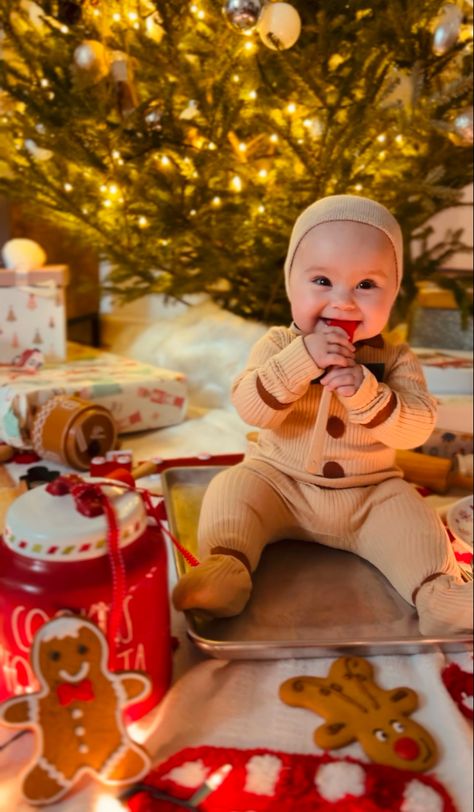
point(338, 485)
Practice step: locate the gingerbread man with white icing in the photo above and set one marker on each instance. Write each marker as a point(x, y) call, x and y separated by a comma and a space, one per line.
point(77, 713)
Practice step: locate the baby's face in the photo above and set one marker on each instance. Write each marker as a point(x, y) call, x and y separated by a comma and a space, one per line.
point(344, 271)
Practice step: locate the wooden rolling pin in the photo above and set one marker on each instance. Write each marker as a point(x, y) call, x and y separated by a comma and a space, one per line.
point(437, 473)
point(313, 463)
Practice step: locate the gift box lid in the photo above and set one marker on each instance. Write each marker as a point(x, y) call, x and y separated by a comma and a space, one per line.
point(49, 527)
point(58, 274)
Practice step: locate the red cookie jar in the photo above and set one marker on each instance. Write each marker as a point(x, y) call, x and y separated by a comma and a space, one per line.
point(55, 558)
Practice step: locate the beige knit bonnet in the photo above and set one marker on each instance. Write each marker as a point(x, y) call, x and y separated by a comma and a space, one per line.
point(336, 208)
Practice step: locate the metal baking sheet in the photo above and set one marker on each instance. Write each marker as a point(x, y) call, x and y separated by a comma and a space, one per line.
point(308, 600)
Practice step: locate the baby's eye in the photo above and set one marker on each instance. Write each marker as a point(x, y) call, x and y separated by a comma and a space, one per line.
point(321, 280)
point(367, 284)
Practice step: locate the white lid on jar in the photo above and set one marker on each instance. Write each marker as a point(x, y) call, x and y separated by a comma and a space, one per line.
point(47, 527)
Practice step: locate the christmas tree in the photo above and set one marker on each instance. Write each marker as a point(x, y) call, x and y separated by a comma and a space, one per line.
point(181, 139)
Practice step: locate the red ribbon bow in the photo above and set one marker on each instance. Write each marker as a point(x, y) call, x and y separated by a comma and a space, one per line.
point(67, 692)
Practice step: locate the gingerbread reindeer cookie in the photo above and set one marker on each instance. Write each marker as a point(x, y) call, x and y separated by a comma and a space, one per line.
point(357, 709)
point(77, 713)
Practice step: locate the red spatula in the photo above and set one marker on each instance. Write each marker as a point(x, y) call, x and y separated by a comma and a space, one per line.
point(319, 432)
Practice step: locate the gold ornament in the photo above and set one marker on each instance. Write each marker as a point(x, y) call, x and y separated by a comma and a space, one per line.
point(92, 60)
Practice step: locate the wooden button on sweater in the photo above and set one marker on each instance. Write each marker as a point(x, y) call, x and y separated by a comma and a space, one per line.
point(333, 470)
point(335, 427)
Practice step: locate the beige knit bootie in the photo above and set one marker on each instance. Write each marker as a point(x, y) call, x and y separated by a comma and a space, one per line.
point(220, 586)
point(445, 607)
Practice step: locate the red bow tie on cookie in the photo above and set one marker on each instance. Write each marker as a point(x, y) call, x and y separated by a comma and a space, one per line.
point(67, 692)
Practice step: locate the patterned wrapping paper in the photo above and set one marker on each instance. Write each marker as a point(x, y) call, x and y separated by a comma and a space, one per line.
point(138, 395)
point(33, 312)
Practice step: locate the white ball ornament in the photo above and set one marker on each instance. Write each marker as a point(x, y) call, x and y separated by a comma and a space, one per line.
point(279, 26)
point(23, 255)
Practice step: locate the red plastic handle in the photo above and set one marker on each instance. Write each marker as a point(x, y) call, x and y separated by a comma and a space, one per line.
point(348, 326)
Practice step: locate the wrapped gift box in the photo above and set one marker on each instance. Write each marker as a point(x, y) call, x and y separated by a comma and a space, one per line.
point(138, 395)
point(33, 313)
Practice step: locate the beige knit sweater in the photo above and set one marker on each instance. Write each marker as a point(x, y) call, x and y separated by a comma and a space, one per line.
point(277, 393)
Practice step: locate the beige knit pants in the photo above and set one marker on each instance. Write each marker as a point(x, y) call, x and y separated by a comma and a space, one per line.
point(389, 524)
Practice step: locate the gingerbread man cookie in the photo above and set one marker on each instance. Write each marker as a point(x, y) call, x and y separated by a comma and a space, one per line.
point(357, 709)
point(77, 713)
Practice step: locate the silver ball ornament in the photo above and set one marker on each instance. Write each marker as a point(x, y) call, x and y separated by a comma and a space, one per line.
point(153, 117)
point(463, 127)
point(242, 15)
point(446, 33)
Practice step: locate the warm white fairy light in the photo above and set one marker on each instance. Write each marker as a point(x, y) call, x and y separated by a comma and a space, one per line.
point(249, 47)
point(103, 188)
point(113, 189)
point(242, 147)
point(64, 29)
point(68, 187)
point(358, 187)
point(193, 213)
point(164, 160)
point(116, 154)
point(235, 78)
point(132, 16)
point(116, 17)
point(201, 14)
point(262, 174)
point(211, 145)
point(216, 201)
point(382, 154)
point(236, 183)
point(261, 209)
point(399, 140)
point(143, 221)
point(274, 138)
point(381, 138)
point(291, 108)
point(44, 83)
point(252, 95)
point(107, 202)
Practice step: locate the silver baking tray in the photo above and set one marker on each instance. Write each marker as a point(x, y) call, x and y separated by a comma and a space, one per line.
point(308, 600)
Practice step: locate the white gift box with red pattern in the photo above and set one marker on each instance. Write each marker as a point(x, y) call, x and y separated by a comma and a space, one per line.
point(33, 312)
point(139, 396)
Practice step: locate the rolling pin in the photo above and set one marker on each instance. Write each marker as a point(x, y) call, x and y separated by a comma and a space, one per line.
point(437, 473)
point(313, 463)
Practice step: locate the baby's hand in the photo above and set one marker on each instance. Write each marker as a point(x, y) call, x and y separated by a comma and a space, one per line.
point(345, 382)
point(329, 346)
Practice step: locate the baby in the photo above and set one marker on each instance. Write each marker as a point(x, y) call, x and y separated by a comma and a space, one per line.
point(344, 264)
